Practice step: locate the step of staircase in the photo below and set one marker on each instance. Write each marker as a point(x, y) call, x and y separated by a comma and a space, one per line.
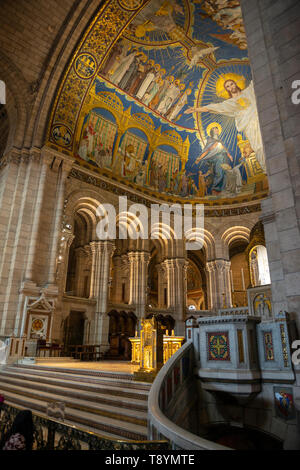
point(92, 392)
point(108, 380)
point(47, 360)
point(78, 371)
point(112, 405)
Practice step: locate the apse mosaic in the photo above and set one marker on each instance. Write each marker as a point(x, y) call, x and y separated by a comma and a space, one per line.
point(163, 99)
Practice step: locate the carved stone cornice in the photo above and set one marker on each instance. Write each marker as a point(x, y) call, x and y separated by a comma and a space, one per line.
point(141, 196)
point(227, 319)
point(139, 256)
point(17, 156)
point(57, 160)
point(13, 156)
point(100, 246)
point(218, 265)
point(268, 218)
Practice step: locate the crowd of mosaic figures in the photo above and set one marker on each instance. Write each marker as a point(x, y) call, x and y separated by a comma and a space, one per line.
point(156, 175)
point(133, 72)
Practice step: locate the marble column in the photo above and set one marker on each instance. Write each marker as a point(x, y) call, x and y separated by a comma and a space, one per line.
point(63, 172)
point(33, 247)
point(81, 255)
point(219, 285)
point(138, 263)
point(176, 277)
point(102, 252)
point(116, 290)
point(63, 258)
point(162, 284)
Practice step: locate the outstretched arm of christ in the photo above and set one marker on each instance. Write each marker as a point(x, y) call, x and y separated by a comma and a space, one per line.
point(227, 107)
point(191, 110)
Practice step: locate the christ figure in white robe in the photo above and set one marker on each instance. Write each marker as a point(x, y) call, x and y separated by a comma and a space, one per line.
point(242, 107)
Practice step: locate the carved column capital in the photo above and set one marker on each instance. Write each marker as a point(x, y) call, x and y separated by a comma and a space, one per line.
point(100, 246)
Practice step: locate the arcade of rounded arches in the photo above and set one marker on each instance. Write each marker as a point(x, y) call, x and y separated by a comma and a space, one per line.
point(125, 280)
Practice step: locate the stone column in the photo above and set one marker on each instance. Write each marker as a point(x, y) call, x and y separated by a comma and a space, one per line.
point(161, 284)
point(271, 32)
point(116, 295)
point(63, 259)
point(219, 287)
point(211, 285)
point(80, 262)
point(138, 262)
point(102, 252)
point(29, 273)
point(227, 284)
point(176, 277)
point(63, 171)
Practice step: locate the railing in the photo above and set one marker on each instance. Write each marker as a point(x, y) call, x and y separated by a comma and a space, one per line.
point(234, 311)
point(169, 383)
point(200, 313)
point(50, 434)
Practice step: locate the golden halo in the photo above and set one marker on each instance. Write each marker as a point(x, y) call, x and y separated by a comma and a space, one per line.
point(212, 125)
point(238, 79)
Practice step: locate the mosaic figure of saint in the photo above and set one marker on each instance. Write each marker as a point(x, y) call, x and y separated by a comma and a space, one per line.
point(123, 67)
point(126, 81)
point(112, 59)
point(168, 96)
point(140, 76)
point(141, 175)
point(216, 156)
point(239, 104)
point(233, 178)
point(87, 143)
point(177, 107)
point(152, 91)
point(147, 80)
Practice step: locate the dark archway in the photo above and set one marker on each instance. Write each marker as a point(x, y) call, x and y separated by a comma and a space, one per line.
point(74, 329)
point(121, 327)
point(167, 321)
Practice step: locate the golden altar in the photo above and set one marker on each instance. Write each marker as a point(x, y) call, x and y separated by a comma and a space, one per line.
point(153, 348)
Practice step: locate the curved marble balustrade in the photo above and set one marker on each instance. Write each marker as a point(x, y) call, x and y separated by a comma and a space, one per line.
point(169, 388)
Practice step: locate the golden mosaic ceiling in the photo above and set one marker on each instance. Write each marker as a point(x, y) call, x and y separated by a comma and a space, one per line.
point(159, 96)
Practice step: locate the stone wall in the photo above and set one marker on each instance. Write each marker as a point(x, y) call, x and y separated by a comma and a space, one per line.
point(273, 33)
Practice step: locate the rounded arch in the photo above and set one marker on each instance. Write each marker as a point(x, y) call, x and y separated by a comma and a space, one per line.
point(234, 234)
point(202, 239)
point(129, 225)
point(17, 102)
point(86, 201)
point(164, 238)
